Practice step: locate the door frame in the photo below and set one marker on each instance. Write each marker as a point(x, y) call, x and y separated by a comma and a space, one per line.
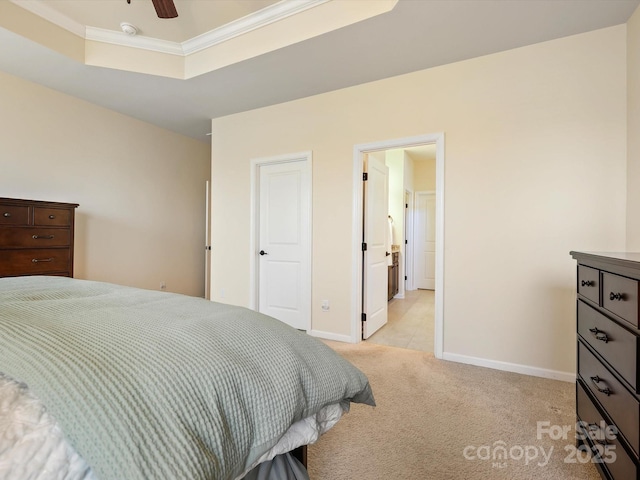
point(207, 241)
point(408, 239)
point(356, 269)
point(254, 218)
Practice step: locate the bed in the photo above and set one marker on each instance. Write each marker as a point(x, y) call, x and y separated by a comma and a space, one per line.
point(101, 381)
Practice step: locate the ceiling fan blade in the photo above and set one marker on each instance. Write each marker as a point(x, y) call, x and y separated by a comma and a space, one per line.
point(165, 8)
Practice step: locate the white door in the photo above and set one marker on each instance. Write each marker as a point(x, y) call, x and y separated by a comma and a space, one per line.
point(376, 228)
point(425, 243)
point(284, 246)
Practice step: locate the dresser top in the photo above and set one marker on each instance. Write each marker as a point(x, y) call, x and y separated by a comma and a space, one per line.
point(618, 258)
point(40, 203)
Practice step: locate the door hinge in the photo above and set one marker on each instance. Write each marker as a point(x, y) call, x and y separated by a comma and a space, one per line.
point(364, 317)
point(405, 278)
point(365, 176)
point(364, 247)
point(406, 205)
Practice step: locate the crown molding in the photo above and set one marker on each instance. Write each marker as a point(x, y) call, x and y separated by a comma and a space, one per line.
point(261, 18)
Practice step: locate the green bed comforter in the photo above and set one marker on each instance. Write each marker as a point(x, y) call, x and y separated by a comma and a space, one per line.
point(153, 385)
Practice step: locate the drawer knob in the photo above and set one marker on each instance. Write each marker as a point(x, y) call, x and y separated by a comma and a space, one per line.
point(52, 217)
point(40, 260)
point(6, 215)
point(596, 380)
point(616, 296)
point(599, 334)
point(587, 283)
point(42, 237)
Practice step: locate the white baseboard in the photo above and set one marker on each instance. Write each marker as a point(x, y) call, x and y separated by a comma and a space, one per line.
point(477, 361)
point(330, 336)
point(511, 367)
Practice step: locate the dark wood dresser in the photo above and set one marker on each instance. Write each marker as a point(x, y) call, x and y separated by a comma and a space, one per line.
point(608, 380)
point(36, 237)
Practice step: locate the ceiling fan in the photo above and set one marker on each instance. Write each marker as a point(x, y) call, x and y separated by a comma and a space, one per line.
point(164, 8)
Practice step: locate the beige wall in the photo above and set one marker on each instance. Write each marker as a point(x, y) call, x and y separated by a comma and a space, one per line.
point(140, 188)
point(409, 172)
point(425, 172)
point(535, 161)
point(633, 132)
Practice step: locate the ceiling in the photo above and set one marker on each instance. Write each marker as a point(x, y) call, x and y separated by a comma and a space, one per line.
point(413, 35)
point(195, 17)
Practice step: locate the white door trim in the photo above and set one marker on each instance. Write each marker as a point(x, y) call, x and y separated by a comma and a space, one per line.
point(356, 268)
point(207, 241)
point(254, 219)
point(408, 236)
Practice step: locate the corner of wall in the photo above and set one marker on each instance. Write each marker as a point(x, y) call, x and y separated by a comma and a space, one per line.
point(633, 124)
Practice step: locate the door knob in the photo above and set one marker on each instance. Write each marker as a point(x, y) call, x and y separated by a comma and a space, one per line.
point(262, 252)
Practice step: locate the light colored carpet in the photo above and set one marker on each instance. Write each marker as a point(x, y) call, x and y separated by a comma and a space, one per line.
point(430, 412)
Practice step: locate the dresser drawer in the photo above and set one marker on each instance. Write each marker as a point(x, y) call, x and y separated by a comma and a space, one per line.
point(622, 407)
point(34, 237)
point(618, 346)
point(620, 296)
point(589, 283)
point(51, 217)
point(34, 261)
point(14, 215)
point(613, 455)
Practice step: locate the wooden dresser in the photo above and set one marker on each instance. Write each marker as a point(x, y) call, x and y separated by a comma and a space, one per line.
point(36, 237)
point(608, 380)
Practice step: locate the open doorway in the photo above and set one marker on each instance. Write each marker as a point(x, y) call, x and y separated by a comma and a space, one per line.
point(411, 214)
point(416, 305)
